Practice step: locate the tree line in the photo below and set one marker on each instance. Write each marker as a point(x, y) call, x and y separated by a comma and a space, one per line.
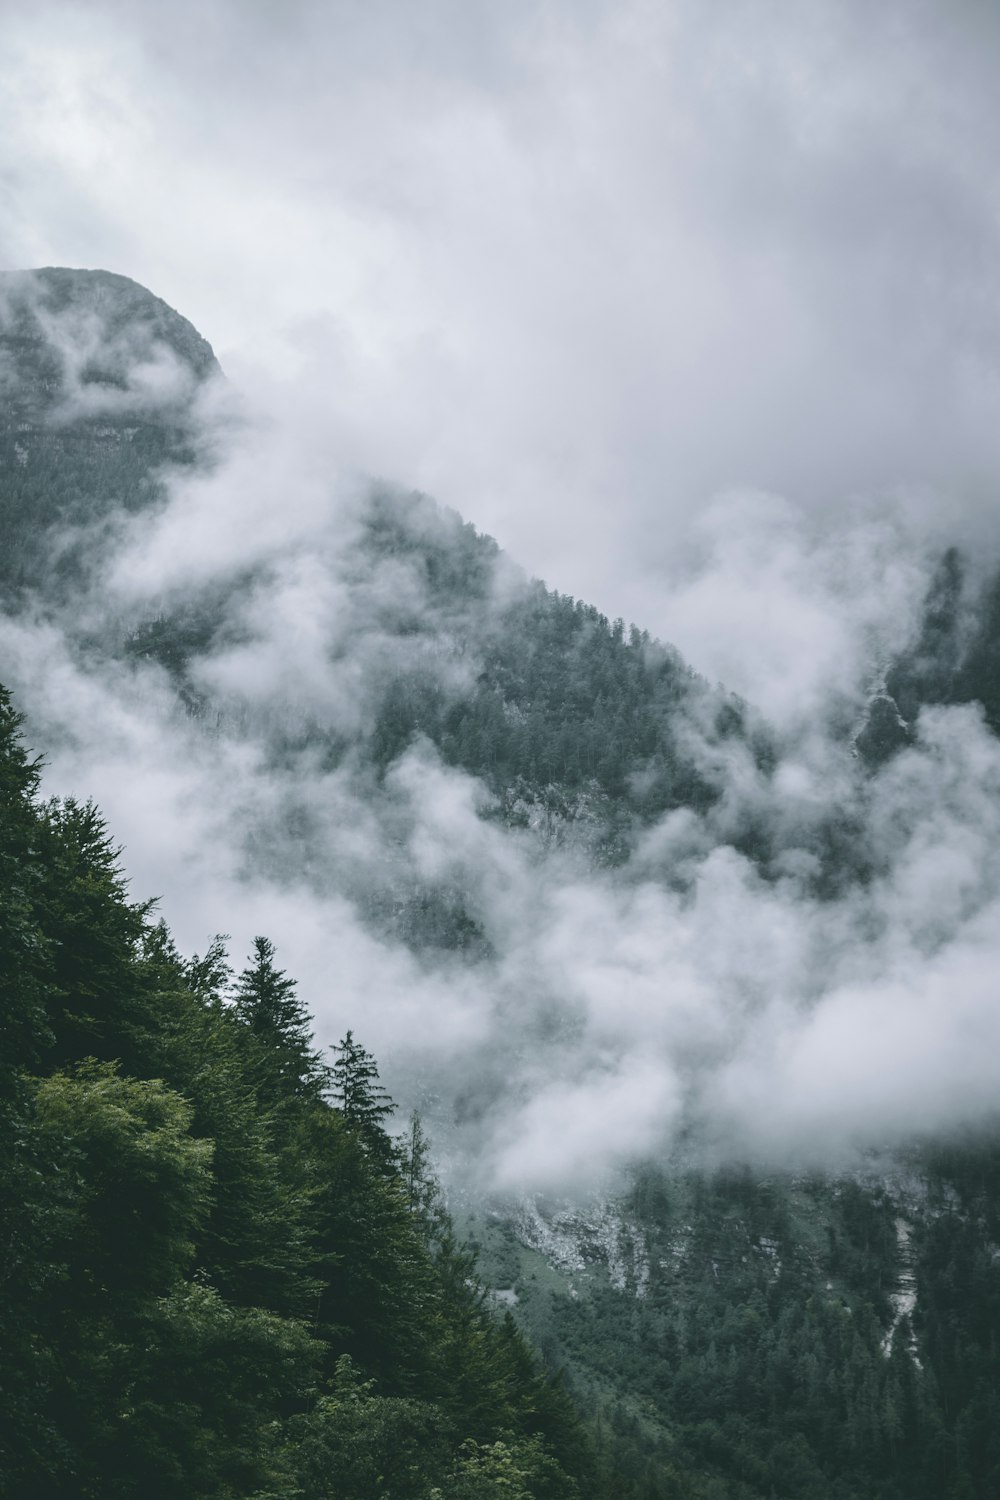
point(222, 1274)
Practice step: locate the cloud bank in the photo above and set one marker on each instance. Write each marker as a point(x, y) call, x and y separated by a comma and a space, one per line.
point(695, 309)
point(688, 996)
point(573, 268)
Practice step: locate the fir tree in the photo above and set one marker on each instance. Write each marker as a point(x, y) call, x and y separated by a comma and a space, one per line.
point(359, 1096)
point(286, 1066)
point(423, 1191)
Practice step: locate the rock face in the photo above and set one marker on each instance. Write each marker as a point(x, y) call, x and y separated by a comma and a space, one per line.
point(597, 1235)
point(97, 383)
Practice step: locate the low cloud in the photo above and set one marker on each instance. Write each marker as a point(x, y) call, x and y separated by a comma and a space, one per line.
point(574, 268)
point(602, 1015)
point(699, 316)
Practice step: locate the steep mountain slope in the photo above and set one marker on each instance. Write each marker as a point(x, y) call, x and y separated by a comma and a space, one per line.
point(221, 1276)
point(790, 1335)
point(955, 657)
point(734, 1332)
point(97, 382)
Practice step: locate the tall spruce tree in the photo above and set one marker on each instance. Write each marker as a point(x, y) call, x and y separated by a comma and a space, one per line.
point(285, 1064)
point(361, 1099)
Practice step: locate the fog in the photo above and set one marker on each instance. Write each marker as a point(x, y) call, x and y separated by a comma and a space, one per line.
point(575, 268)
point(698, 319)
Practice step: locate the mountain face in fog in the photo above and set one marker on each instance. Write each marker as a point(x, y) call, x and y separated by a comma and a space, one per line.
point(97, 379)
point(955, 657)
point(583, 729)
point(579, 727)
point(387, 728)
point(604, 922)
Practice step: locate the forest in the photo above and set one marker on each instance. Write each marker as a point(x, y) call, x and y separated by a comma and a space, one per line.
point(223, 1273)
point(229, 1273)
point(768, 1351)
point(228, 1270)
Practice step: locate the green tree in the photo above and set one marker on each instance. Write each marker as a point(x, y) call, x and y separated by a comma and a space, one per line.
point(358, 1445)
point(361, 1099)
point(423, 1191)
point(284, 1065)
point(97, 1005)
point(506, 1469)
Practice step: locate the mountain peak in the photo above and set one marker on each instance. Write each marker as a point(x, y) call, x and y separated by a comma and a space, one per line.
point(98, 384)
point(76, 342)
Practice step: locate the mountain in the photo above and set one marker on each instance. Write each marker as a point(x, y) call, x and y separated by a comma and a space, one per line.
point(221, 1275)
point(525, 818)
point(955, 657)
point(97, 382)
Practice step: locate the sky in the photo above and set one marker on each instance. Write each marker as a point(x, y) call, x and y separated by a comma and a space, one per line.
point(579, 270)
point(694, 308)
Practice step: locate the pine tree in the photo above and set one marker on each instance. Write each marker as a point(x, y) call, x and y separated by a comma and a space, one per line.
point(209, 976)
point(285, 1064)
point(23, 950)
point(423, 1191)
point(359, 1096)
point(97, 1005)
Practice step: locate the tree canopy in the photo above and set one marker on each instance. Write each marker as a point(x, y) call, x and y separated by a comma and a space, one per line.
point(218, 1278)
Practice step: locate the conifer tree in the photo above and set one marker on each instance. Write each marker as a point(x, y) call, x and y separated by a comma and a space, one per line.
point(286, 1065)
point(423, 1191)
point(22, 1015)
point(96, 1006)
point(357, 1093)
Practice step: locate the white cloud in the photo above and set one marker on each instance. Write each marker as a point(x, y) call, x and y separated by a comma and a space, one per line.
point(576, 270)
point(573, 269)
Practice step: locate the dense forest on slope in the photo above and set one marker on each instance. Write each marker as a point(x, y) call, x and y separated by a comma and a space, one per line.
point(225, 1277)
point(955, 657)
point(97, 383)
point(222, 1275)
point(567, 716)
point(802, 1337)
point(226, 1273)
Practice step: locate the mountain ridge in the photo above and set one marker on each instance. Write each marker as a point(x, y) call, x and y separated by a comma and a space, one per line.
point(420, 734)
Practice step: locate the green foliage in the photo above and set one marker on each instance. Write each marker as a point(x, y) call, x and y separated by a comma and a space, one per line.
point(130, 1183)
point(220, 1276)
point(759, 1360)
point(210, 1394)
point(357, 1445)
point(223, 1277)
point(217, 1281)
point(357, 1093)
point(505, 1470)
point(23, 947)
point(283, 1061)
point(95, 1007)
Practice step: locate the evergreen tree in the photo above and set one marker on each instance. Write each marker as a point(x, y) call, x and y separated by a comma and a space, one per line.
point(285, 1064)
point(423, 1191)
point(357, 1093)
point(98, 1006)
point(23, 948)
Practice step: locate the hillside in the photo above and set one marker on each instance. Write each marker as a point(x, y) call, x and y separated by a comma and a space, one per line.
point(222, 1276)
point(600, 901)
point(97, 381)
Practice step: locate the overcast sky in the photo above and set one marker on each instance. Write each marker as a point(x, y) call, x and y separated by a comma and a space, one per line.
point(694, 307)
point(574, 268)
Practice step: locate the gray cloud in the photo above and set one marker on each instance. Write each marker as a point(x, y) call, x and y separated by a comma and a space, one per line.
point(578, 271)
point(609, 1010)
point(570, 268)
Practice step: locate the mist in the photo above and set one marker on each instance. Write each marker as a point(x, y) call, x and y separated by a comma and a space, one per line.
point(697, 316)
point(687, 997)
point(573, 269)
